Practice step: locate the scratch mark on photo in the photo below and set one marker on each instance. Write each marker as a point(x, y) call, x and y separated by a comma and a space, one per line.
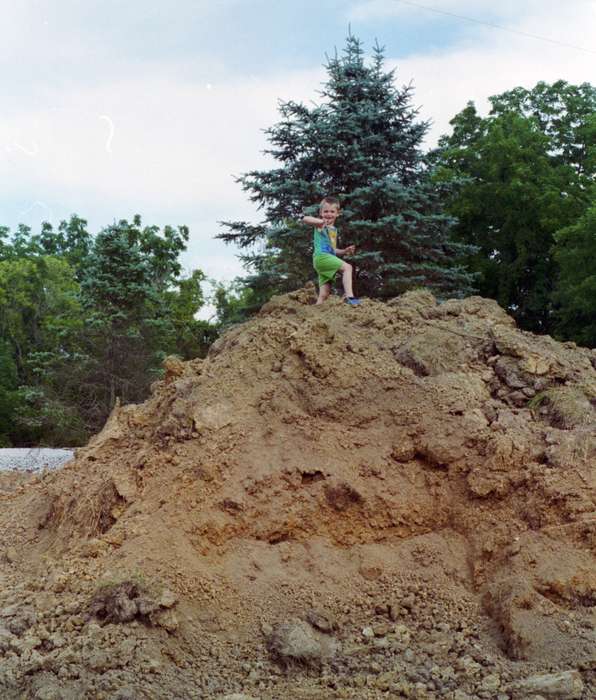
point(111, 134)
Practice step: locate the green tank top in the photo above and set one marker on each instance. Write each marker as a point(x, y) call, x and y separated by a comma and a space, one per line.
point(325, 240)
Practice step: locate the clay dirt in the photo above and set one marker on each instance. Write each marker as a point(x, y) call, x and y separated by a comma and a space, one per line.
point(388, 501)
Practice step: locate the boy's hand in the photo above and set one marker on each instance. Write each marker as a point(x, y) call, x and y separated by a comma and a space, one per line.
point(350, 250)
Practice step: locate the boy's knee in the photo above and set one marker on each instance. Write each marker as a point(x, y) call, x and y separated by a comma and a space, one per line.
point(347, 267)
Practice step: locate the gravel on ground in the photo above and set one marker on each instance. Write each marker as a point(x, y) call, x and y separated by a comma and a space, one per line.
point(34, 458)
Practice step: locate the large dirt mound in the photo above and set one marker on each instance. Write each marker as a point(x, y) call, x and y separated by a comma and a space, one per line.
point(394, 500)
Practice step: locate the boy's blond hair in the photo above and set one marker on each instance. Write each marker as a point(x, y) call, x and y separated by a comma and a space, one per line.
point(333, 201)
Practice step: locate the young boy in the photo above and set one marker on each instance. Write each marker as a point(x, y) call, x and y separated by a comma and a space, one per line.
point(324, 258)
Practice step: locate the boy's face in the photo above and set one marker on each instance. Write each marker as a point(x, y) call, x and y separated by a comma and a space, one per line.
point(329, 212)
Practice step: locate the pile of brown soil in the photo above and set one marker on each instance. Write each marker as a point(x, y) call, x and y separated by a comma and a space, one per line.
point(394, 500)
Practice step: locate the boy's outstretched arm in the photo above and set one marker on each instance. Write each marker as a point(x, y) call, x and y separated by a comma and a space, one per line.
point(313, 221)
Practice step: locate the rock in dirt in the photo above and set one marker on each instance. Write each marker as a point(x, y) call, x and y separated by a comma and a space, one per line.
point(166, 619)
point(117, 603)
point(125, 693)
point(296, 641)
point(567, 685)
point(167, 599)
point(6, 639)
point(18, 619)
point(128, 600)
point(321, 620)
point(11, 555)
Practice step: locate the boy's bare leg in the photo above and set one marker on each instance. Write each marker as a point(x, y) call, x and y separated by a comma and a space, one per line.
point(324, 292)
point(346, 270)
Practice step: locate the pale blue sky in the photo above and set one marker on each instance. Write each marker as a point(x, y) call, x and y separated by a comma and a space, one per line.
point(109, 108)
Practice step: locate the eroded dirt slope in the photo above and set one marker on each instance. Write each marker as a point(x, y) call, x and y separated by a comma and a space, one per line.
point(395, 500)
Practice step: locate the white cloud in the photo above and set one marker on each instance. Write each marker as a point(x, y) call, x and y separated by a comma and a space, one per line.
point(160, 146)
point(158, 138)
point(495, 62)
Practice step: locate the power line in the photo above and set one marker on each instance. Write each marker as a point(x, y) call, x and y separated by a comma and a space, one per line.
point(494, 26)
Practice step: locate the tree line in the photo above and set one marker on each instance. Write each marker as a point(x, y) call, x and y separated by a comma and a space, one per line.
point(87, 319)
point(504, 207)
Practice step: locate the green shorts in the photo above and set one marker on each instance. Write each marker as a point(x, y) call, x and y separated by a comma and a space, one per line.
point(326, 266)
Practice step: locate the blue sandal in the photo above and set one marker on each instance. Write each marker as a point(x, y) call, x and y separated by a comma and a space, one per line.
point(352, 301)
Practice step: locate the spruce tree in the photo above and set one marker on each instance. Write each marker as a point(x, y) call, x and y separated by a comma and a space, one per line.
point(362, 143)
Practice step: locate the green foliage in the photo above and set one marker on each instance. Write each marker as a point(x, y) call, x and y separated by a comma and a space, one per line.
point(236, 302)
point(9, 399)
point(138, 310)
point(40, 317)
point(564, 113)
point(187, 336)
point(521, 174)
point(363, 143)
point(43, 418)
point(85, 319)
point(575, 297)
point(71, 242)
